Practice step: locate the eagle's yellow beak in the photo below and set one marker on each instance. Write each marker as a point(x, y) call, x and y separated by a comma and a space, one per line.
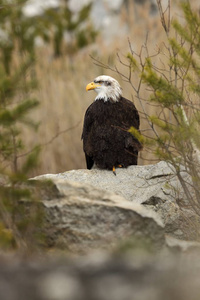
point(92, 86)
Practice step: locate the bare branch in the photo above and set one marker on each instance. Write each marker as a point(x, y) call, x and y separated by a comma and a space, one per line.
point(52, 139)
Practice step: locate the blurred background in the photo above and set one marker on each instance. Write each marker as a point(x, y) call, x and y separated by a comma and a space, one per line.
point(71, 35)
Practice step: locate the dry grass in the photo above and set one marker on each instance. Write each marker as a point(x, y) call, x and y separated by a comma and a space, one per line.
point(64, 99)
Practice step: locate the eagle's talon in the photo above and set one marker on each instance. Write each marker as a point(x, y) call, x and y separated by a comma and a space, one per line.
point(114, 171)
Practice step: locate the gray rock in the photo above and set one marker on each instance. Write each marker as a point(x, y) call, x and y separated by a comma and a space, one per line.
point(154, 186)
point(136, 183)
point(182, 246)
point(82, 218)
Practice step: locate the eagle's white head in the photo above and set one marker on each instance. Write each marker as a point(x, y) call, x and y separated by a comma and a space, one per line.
point(106, 87)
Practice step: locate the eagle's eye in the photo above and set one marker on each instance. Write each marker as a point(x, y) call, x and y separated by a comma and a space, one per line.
point(98, 81)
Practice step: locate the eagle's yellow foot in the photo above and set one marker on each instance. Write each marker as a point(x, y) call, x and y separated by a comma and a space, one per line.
point(114, 170)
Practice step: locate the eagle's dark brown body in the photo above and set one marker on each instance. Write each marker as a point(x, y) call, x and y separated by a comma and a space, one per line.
point(106, 141)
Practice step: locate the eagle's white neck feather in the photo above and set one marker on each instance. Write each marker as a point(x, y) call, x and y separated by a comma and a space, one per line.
point(109, 89)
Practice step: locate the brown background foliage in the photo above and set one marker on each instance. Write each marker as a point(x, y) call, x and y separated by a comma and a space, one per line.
point(64, 99)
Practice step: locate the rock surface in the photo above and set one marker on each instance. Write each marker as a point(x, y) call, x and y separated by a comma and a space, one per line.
point(82, 218)
point(181, 246)
point(154, 186)
point(136, 183)
point(95, 210)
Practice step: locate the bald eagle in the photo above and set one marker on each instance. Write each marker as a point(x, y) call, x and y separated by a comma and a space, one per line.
point(106, 140)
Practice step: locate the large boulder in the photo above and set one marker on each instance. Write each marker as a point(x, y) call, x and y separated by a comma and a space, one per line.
point(154, 186)
point(135, 183)
point(80, 217)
